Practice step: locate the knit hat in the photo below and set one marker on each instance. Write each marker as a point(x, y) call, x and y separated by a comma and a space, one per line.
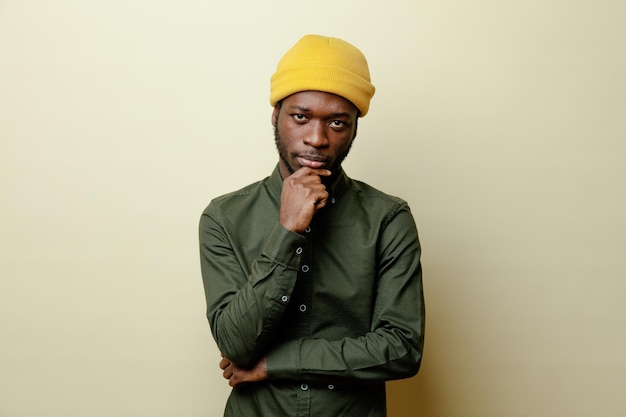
point(325, 64)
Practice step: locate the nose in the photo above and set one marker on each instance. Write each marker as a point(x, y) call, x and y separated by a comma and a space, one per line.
point(316, 135)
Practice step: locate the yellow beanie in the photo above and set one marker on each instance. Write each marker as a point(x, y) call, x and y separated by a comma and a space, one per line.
point(325, 64)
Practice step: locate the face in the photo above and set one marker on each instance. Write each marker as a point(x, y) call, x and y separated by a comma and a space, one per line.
point(313, 129)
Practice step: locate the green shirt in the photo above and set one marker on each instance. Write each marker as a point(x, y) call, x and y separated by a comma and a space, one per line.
point(338, 310)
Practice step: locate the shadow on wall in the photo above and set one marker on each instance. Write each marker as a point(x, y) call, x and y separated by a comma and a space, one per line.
point(410, 397)
point(420, 396)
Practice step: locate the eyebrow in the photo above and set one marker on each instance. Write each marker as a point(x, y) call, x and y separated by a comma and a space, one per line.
point(300, 108)
point(307, 110)
point(344, 114)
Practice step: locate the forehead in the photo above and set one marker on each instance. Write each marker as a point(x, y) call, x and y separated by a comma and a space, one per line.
point(320, 102)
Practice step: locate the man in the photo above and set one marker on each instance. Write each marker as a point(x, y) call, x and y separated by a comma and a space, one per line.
point(313, 280)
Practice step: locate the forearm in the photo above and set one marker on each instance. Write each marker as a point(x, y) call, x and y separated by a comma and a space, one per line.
point(245, 325)
point(245, 303)
point(382, 355)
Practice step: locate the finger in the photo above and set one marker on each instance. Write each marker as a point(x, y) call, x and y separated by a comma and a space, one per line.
point(306, 171)
point(320, 203)
point(224, 363)
point(233, 379)
point(321, 172)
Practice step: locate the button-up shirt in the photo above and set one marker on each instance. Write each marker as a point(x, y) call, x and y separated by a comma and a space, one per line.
point(337, 310)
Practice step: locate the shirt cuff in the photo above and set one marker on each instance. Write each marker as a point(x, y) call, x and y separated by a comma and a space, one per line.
point(283, 245)
point(283, 361)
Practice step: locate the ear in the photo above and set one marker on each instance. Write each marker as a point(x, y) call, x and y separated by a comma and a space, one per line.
point(275, 116)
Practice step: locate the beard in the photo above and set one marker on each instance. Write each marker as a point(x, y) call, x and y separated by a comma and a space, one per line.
point(282, 150)
point(334, 165)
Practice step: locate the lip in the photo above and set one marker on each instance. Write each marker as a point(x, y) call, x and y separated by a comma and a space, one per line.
point(311, 161)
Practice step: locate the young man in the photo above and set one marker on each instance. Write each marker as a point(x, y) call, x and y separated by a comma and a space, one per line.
point(312, 279)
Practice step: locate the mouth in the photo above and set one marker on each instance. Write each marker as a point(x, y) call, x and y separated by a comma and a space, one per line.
point(311, 161)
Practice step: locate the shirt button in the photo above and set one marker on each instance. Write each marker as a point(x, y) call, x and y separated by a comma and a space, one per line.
point(304, 387)
point(331, 386)
point(284, 298)
point(302, 308)
point(299, 251)
point(305, 268)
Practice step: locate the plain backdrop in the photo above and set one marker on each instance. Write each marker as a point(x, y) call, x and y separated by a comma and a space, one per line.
point(501, 122)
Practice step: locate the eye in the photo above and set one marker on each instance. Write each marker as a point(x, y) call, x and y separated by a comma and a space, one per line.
point(299, 117)
point(338, 124)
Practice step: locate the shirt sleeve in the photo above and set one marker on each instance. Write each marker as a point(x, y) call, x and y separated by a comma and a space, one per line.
point(392, 349)
point(244, 307)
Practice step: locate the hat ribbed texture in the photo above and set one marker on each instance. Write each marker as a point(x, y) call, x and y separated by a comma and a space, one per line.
point(325, 64)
